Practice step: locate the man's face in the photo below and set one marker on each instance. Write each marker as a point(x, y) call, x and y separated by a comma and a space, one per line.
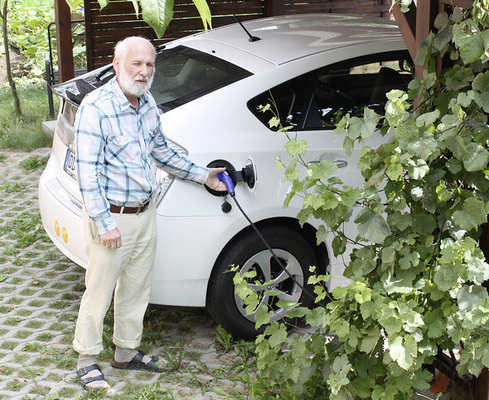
point(135, 72)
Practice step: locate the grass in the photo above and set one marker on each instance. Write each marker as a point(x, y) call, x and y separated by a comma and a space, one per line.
point(25, 134)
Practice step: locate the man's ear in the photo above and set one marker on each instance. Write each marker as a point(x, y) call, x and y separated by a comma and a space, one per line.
point(116, 64)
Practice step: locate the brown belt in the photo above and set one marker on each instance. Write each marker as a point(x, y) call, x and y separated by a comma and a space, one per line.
point(128, 210)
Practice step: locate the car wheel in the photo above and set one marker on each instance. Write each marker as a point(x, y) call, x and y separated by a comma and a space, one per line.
point(249, 253)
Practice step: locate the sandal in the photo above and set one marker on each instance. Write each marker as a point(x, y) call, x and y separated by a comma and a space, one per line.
point(138, 363)
point(87, 380)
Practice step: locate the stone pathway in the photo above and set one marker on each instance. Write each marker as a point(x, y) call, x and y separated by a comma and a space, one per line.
point(39, 296)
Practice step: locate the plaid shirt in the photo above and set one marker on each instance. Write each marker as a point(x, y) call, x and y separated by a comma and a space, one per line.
point(116, 147)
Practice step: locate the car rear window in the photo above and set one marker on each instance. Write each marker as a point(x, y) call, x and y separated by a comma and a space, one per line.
point(184, 74)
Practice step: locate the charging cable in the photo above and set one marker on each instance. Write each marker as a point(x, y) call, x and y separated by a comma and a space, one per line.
point(228, 182)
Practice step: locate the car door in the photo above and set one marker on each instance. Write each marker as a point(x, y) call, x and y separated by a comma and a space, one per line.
point(312, 104)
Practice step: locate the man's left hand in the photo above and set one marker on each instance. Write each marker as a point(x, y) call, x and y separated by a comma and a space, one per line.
point(213, 181)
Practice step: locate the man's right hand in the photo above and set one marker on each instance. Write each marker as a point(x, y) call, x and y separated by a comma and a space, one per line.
point(111, 239)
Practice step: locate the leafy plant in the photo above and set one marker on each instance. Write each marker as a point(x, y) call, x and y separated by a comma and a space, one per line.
point(33, 163)
point(416, 268)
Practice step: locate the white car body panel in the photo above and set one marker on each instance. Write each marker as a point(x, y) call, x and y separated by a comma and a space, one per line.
point(193, 229)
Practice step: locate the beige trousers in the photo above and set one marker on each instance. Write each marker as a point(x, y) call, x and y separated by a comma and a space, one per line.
point(125, 274)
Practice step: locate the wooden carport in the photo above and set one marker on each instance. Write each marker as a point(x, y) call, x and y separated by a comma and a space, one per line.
point(117, 20)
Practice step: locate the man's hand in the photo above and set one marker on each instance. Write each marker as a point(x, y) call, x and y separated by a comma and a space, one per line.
point(111, 239)
point(213, 181)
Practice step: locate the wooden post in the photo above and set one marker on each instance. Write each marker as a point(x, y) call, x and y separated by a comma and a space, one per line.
point(274, 7)
point(66, 69)
point(407, 25)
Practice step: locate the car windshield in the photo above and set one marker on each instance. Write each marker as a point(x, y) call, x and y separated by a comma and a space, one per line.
point(182, 75)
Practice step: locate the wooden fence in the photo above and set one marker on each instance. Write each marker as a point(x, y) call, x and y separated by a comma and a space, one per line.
point(106, 27)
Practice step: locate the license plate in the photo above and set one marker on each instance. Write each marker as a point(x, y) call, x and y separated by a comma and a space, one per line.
point(69, 165)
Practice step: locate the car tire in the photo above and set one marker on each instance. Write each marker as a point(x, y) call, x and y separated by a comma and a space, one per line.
point(249, 252)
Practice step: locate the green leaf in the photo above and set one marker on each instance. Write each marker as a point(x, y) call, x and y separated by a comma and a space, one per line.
point(339, 245)
point(424, 224)
point(341, 328)
point(469, 41)
point(295, 147)
point(204, 12)
point(103, 3)
point(369, 342)
point(322, 170)
point(472, 216)
point(476, 157)
point(446, 277)
point(408, 258)
point(434, 320)
point(348, 145)
point(468, 297)
point(375, 229)
point(423, 51)
point(423, 147)
point(158, 14)
point(262, 316)
point(403, 351)
point(477, 268)
point(480, 85)
point(402, 282)
point(428, 118)
point(418, 169)
point(459, 78)
point(371, 120)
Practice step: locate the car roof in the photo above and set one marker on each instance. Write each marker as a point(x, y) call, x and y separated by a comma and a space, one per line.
point(303, 34)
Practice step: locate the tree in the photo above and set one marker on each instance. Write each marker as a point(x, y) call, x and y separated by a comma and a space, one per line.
point(417, 272)
point(11, 81)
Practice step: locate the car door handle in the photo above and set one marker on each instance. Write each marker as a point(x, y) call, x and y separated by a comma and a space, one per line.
point(339, 163)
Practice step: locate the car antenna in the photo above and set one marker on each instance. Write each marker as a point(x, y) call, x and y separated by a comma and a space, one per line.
point(252, 38)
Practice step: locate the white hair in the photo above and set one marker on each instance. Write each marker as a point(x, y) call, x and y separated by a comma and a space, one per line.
point(122, 47)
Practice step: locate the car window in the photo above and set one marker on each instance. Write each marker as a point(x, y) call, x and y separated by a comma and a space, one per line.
point(184, 74)
point(319, 99)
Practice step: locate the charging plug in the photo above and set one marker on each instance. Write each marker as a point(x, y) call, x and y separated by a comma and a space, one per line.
point(223, 177)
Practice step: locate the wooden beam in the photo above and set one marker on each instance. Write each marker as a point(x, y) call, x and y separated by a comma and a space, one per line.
point(66, 69)
point(407, 25)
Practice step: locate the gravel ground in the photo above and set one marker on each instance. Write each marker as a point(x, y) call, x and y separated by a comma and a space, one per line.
point(40, 291)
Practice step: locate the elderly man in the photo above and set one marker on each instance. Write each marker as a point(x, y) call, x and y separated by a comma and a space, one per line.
point(119, 139)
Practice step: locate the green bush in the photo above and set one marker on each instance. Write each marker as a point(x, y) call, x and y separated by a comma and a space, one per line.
point(416, 271)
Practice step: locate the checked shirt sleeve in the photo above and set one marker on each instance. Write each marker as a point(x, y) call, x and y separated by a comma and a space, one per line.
point(176, 163)
point(89, 142)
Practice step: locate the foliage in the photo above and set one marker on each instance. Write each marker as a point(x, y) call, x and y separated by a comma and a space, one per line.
point(416, 268)
point(159, 13)
point(28, 27)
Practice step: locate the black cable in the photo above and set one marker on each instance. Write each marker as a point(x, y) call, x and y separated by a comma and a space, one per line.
point(282, 266)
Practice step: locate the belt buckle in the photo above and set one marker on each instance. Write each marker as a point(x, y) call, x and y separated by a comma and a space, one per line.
point(139, 209)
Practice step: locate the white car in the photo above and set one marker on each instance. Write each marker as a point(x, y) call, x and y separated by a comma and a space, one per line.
point(208, 86)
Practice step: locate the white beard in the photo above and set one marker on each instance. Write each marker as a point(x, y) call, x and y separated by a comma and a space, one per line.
point(131, 86)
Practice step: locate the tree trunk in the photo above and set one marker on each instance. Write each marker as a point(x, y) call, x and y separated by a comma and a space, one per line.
point(3, 15)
